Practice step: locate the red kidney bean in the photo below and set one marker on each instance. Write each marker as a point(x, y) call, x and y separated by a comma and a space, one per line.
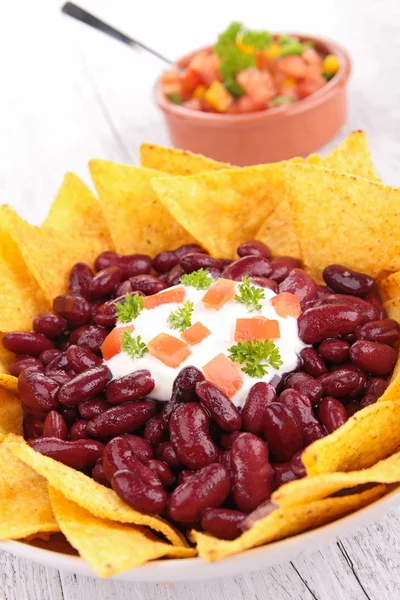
point(208, 488)
point(105, 314)
point(345, 281)
point(47, 356)
point(81, 359)
point(165, 261)
point(368, 311)
point(98, 473)
point(137, 488)
point(352, 407)
point(80, 279)
point(175, 275)
point(225, 460)
point(332, 414)
point(252, 473)
point(23, 362)
point(59, 363)
point(64, 344)
point(104, 282)
point(323, 290)
point(61, 377)
point(321, 322)
point(89, 336)
point(163, 277)
point(79, 454)
point(49, 324)
point(74, 309)
point(70, 413)
point(334, 351)
point(248, 266)
point(312, 362)
point(385, 331)
point(197, 260)
point(258, 398)
point(124, 452)
point(185, 475)
point(91, 408)
point(283, 473)
point(307, 385)
point(155, 431)
point(281, 267)
point(130, 387)
point(37, 391)
point(219, 406)
point(301, 284)
point(167, 453)
point(32, 427)
point(265, 283)
point(189, 249)
point(184, 384)
point(301, 408)
point(147, 284)
point(188, 428)
point(223, 523)
point(380, 309)
point(85, 386)
point(224, 262)
point(169, 408)
point(340, 383)
point(283, 432)
point(254, 248)
point(122, 419)
point(134, 264)
point(372, 357)
point(376, 386)
point(78, 430)
point(297, 465)
point(55, 426)
point(26, 342)
point(349, 338)
point(121, 289)
point(227, 439)
point(106, 259)
point(163, 471)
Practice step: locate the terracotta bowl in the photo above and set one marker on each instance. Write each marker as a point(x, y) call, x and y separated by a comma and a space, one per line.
point(265, 136)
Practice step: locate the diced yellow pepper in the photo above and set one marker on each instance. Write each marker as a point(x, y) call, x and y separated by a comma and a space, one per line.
point(330, 65)
point(289, 82)
point(218, 97)
point(273, 51)
point(246, 48)
point(199, 92)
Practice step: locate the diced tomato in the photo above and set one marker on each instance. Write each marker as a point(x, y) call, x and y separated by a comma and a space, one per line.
point(257, 328)
point(206, 64)
point(246, 104)
point(224, 373)
point(190, 80)
point(292, 66)
point(195, 334)
point(171, 88)
point(259, 85)
point(112, 344)
point(220, 292)
point(262, 61)
point(171, 82)
point(168, 349)
point(175, 294)
point(286, 305)
point(309, 86)
point(193, 104)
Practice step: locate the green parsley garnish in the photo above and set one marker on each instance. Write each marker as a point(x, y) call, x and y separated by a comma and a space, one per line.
point(250, 295)
point(257, 356)
point(175, 98)
point(258, 39)
point(129, 309)
point(227, 38)
point(292, 49)
point(233, 87)
point(133, 346)
point(201, 279)
point(233, 61)
point(181, 317)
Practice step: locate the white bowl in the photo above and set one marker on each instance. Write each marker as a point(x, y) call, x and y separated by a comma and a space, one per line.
point(191, 569)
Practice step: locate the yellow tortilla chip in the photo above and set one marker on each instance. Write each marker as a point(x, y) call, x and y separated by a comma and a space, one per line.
point(87, 493)
point(225, 208)
point(110, 548)
point(177, 162)
point(367, 437)
point(138, 221)
point(8, 382)
point(389, 287)
point(350, 156)
point(11, 414)
point(321, 486)
point(285, 522)
point(6, 357)
point(25, 508)
point(392, 392)
point(325, 203)
point(278, 232)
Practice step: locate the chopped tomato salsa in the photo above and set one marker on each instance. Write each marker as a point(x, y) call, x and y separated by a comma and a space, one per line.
point(257, 328)
point(112, 344)
point(286, 305)
point(195, 334)
point(167, 348)
point(175, 294)
point(224, 373)
point(219, 293)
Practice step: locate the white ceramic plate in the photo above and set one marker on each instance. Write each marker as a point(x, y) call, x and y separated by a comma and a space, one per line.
point(194, 568)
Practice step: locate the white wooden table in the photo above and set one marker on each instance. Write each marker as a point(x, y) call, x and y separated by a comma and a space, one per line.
point(68, 94)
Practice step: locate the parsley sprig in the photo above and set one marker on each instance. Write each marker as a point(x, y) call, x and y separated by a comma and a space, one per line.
point(250, 295)
point(256, 356)
point(201, 279)
point(129, 309)
point(133, 346)
point(181, 318)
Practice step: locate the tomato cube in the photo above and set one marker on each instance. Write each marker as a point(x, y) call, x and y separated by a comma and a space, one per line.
point(286, 305)
point(195, 334)
point(112, 344)
point(175, 294)
point(219, 293)
point(190, 80)
point(257, 328)
point(225, 374)
point(168, 349)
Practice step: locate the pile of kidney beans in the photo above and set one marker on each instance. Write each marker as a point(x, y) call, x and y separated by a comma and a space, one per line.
point(197, 459)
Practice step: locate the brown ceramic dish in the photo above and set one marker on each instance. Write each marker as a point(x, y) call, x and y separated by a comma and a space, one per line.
point(265, 136)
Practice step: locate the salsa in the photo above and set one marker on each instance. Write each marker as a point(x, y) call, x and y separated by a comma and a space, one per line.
point(247, 71)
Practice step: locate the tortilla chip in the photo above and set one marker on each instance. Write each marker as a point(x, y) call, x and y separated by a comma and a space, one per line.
point(368, 436)
point(110, 548)
point(25, 507)
point(8, 382)
point(11, 414)
point(6, 357)
point(321, 486)
point(100, 501)
point(285, 522)
point(138, 221)
point(325, 202)
point(225, 208)
point(350, 156)
point(389, 287)
point(177, 162)
point(278, 232)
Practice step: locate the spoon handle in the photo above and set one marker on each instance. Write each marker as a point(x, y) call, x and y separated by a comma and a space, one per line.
point(72, 10)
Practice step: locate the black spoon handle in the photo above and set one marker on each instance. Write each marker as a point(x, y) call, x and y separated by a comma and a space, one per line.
point(72, 10)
